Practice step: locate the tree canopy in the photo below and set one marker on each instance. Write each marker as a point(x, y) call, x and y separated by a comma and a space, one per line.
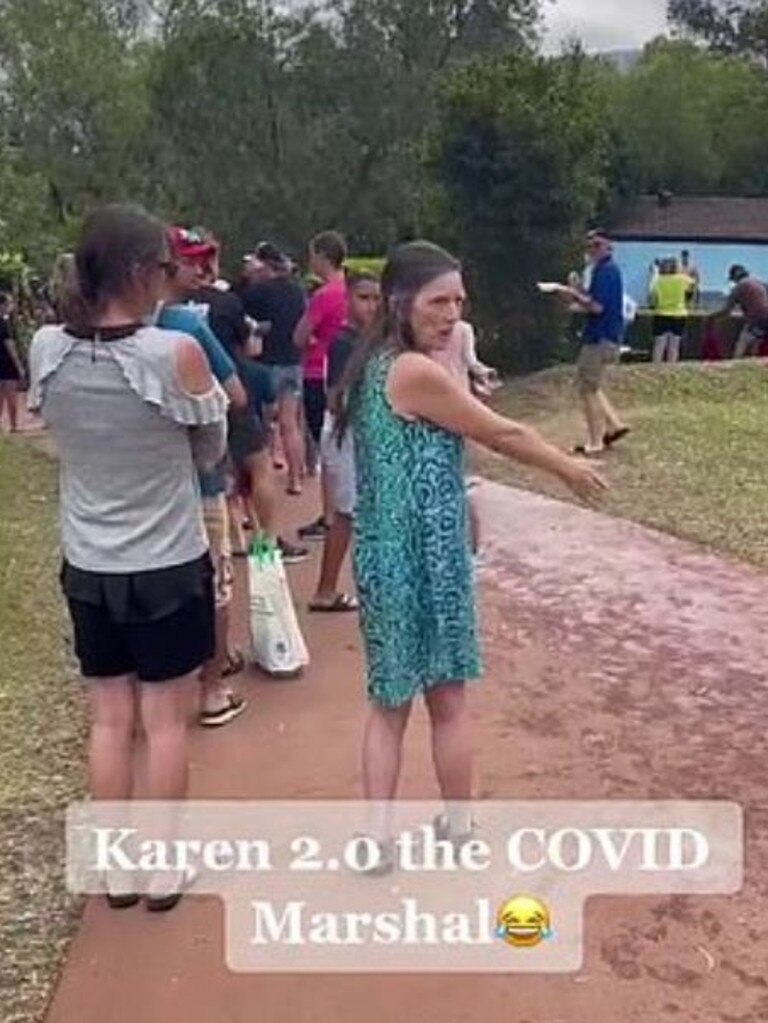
point(387, 120)
point(727, 26)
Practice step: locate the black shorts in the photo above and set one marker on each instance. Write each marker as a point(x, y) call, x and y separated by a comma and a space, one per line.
point(247, 436)
point(674, 325)
point(157, 625)
point(314, 407)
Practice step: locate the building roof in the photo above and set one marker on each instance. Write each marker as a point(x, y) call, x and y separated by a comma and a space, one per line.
point(694, 219)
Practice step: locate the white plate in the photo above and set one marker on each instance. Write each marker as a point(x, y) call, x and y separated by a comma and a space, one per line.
point(550, 287)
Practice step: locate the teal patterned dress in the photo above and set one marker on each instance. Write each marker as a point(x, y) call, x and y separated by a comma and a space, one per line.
point(413, 562)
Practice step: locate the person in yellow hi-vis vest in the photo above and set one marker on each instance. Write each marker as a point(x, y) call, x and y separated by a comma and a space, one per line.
point(670, 294)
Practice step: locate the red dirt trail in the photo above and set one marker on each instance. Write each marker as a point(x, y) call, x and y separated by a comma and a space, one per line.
point(622, 664)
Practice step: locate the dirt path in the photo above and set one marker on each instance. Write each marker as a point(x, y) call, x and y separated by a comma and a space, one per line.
point(621, 664)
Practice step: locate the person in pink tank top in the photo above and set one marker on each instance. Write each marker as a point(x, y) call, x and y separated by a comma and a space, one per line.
point(322, 323)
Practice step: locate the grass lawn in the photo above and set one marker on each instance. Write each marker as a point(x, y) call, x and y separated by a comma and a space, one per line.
point(697, 462)
point(41, 738)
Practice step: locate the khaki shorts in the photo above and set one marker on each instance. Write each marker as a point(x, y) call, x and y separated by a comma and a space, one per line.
point(216, 520)
point(593, 362)
point(753, 337)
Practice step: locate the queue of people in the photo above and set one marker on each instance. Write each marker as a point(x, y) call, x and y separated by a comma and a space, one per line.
point(146, 385)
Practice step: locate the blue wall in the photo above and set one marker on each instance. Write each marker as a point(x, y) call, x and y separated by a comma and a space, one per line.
point(713, 260)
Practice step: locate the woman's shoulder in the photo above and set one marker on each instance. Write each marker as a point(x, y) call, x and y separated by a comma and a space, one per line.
point(49, 333)
point(49, 345)
point(155, 338)
point(169, 369)
point(165, 349)
point(411, 365)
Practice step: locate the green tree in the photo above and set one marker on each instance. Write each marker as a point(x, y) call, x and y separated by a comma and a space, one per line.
point(275, 122)
point(522, 149)
point(727, 26)
point(74, 103)
point(685, 120)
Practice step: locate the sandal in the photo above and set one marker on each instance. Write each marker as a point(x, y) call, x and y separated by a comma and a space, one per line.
point(613, 438)
point(584, 452)
point(232, 709)
point(342, 603)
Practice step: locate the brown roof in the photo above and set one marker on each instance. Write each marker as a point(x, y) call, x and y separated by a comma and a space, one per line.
point(692, 218)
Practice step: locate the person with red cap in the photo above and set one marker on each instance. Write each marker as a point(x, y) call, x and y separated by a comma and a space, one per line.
point(249, 446)
point(220, 704)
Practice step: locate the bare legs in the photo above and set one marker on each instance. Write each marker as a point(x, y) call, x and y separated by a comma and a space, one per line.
point(382, 763)
point(263, 491)
point(290, 433)
point(383, 750)
point(451, 746)
point(219, 704)
point(601, 418)
point(666, 347)
point(9, 397)
point(451, 750)
point(237, 511)
point(119, 706)
point(163, 710)
point(335, 550)
point(114, 712)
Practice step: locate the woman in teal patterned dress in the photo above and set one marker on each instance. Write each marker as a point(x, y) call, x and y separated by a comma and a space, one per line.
point(413, 560)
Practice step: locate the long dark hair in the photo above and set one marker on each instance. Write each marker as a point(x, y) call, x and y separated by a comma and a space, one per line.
point(410, 268)
point(116, 242)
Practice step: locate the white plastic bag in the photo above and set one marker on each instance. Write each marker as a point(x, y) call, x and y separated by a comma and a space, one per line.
point(277, 643)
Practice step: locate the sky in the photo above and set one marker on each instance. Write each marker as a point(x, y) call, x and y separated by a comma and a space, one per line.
point(605, 24)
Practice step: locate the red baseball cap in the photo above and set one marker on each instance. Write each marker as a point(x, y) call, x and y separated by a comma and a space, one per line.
point(189, 244)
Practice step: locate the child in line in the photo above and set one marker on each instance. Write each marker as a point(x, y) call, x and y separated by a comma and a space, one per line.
point(459, 358)
point(262, 405)
point(338, 457)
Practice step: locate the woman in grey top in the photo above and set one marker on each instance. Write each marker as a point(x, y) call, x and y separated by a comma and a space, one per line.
point(135, 412)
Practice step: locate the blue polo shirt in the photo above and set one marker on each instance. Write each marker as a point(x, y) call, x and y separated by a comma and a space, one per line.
point(607, 288)
point(186, 320)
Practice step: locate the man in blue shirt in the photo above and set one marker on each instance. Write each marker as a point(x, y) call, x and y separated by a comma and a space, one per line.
point(601, 344)
point(220, 704)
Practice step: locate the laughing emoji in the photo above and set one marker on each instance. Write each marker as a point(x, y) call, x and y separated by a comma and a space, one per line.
point(524, 922)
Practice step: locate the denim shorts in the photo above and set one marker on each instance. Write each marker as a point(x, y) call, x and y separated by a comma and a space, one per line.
point(287, 381)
